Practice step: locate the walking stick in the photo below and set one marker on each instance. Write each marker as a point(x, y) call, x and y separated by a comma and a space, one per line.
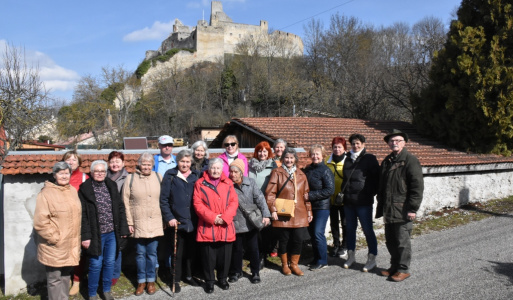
point(174, 259)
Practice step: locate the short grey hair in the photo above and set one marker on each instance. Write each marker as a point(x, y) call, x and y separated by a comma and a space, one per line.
point(145, 156)
point(200, 144)
point(214, 161)
point(289, 150)
point(99, 162)
point(233, 167)
point(59, 166)
point(182, 154)
point(279, 141)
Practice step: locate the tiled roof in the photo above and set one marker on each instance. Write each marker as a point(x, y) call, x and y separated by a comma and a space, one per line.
point(18, 164)
point(303, 132)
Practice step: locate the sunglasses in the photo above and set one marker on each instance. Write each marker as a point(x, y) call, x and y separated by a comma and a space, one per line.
point(230, 144)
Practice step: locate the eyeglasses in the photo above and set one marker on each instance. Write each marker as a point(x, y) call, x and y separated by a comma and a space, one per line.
point(395, 141)
point(230, 144)
point(100, 172)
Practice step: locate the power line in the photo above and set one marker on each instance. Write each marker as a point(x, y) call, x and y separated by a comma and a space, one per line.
point(317, 14)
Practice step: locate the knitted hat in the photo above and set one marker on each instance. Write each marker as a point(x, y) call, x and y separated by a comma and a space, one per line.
point(239, 164)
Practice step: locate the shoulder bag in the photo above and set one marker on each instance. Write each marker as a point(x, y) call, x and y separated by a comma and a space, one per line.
point(285, 207)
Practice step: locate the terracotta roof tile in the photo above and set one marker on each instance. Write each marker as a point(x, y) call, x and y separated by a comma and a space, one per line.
point(303, 132)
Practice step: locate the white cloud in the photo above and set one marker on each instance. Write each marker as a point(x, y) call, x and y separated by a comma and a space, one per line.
point(54, 77)
point(158, 31)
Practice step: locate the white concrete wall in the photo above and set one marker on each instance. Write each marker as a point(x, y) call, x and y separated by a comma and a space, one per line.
point(22, 269)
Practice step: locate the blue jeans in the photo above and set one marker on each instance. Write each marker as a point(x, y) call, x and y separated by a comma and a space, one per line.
point(320, 246)
point(117, 267)
point(104, 264)
point(146, 259)
point(364, 214)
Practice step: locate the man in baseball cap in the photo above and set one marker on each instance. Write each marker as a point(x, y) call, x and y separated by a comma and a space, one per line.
point(165, 160)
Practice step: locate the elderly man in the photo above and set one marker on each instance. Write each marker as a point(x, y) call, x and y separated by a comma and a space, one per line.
point(165, 160)
point(400, 192)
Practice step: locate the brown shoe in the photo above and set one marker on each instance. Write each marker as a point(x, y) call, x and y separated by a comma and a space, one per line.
point(140, 289)
point(294, 260)
point(151, 288)
point(398, 277)
point(387, 273)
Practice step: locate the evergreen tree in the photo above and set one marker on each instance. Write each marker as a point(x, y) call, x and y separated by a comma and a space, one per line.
point(469, 104)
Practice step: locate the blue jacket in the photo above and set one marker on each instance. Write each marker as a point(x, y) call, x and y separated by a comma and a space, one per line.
point(176, 199)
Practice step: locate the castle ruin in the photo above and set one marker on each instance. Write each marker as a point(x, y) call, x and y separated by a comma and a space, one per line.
point(211, 41)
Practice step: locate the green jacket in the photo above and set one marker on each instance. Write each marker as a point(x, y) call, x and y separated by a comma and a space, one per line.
point(401, 186)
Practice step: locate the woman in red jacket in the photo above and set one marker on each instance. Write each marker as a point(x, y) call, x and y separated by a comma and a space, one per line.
point(216, 203)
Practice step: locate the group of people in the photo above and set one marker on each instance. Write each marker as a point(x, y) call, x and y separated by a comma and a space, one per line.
point(204, 215)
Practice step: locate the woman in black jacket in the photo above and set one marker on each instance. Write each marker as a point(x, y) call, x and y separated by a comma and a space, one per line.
point(103, 224)
point(177, 210)
point(322, 186)
point(361, 178)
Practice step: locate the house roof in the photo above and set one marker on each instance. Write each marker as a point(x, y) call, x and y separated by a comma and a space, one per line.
point(303, 132)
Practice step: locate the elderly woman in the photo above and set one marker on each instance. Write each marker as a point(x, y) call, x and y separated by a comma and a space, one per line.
point(200, 156)
point(279, 146)
point(57, 221)
point(248, 193)
point(322, 186)
point(141, 195)
point(177, 210)
point(103, 225)
point(337, 218)
point(361, 178)
point(118, 174)
point(74, 160)
point(215, 202)
point(231, 144)
point(289, 182)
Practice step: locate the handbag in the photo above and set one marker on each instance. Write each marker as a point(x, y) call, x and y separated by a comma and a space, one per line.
point(285, 207)
point(339, 199)
point(252, 214)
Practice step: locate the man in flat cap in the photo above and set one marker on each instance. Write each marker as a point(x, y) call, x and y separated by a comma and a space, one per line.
point(401, 186)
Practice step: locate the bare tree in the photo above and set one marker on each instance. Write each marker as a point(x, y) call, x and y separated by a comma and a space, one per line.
point(24, 101)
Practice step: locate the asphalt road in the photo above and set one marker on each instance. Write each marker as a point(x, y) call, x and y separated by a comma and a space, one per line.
point(474, 261)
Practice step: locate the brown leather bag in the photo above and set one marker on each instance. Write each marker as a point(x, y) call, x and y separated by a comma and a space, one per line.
point(285, 207)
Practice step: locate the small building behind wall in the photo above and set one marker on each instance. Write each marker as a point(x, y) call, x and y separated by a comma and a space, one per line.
point(452, 178)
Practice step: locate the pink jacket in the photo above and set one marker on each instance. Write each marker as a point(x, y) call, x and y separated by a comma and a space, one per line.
point(226, 166)
point(210, 201)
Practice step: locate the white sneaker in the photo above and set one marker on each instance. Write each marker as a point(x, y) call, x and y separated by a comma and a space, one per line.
point(350, 259)
point(371, 263)
point(342, 253)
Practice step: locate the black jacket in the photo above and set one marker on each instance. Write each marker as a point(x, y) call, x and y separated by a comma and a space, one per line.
point(176, 199)
point(363, 184)
point(322, 185)
point(90, 221)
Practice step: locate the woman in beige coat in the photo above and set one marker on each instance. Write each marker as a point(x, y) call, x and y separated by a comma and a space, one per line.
point(57, 221)
point(141, 194)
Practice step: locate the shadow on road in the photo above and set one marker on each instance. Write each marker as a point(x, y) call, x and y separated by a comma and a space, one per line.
point(476, 208)
point(502, 268)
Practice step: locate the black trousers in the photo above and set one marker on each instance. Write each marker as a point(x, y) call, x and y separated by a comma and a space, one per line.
point(215, 256)
point(249, 242)
point(291, 240)
point(186, 254)
point(398, 243)
point(338, 217)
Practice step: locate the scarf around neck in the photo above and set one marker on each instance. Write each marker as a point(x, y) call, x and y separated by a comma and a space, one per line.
point(258, 166)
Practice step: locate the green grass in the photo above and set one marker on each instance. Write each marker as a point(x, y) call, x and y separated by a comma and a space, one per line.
point(436, 221)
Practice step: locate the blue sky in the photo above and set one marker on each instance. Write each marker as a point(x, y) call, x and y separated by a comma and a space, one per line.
point(70, 39)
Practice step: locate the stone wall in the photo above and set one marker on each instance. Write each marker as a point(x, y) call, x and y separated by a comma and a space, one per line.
point(22, 269)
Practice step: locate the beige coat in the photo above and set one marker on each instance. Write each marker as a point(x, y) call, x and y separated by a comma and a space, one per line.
point(142, 203)
point(57, 221)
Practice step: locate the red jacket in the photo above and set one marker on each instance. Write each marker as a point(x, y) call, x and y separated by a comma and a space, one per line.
point(210, 201)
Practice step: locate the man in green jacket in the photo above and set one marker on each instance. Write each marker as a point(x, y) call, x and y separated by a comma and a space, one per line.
point(401, 186)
